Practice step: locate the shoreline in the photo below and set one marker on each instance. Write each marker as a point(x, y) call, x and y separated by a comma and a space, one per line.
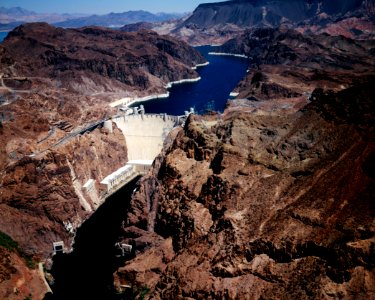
point(172, 83)
point(233, 94)
point(131, 100)
point(200, 65)
point(228, 54)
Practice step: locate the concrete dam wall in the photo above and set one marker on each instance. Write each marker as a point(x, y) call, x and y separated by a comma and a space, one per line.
point(145, 134)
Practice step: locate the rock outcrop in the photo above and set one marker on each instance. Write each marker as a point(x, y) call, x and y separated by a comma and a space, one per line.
point(263, 206)
point(285, 64)
point(99, 60)
point(17, 279)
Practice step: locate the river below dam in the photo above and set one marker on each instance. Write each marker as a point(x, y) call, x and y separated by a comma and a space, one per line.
point(87, 272)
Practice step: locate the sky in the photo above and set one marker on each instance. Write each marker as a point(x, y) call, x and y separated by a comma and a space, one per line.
point(104, 6)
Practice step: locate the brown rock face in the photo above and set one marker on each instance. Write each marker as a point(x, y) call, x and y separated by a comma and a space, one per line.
point(39, 195)
point(286, 66)
point(17, 281)
point(216, 23)
point(260, 206)
point(99, 60)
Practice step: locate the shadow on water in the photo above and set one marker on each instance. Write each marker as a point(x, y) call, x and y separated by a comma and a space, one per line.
point(87, 272)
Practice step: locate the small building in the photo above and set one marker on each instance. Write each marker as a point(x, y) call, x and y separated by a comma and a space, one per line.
point(125, 249)
point(89, 185)
point(117, 177)
point(58, 247)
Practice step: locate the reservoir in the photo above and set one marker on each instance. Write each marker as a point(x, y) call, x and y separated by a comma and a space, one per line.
point(218, 79)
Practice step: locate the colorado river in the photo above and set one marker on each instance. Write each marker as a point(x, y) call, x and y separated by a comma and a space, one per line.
point(86, 273)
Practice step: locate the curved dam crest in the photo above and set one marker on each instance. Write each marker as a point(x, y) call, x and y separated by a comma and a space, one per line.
point(145, 135)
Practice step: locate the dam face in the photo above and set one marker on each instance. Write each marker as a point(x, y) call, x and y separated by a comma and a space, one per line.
point(145, 134)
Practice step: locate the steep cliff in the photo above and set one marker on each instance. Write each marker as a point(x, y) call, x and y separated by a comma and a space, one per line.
point(262, 206)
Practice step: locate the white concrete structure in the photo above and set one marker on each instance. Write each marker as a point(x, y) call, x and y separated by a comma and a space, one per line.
point(145, 134)
point(118, 177)
point(89, 185)
point(113, 182)
point(228, 54)
point(108, 125)
point(124, 248)
point(58, 247)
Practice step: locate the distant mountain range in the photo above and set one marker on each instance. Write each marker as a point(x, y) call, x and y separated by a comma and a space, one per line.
point(21, 15)
point(14, 16)
point(118, 19)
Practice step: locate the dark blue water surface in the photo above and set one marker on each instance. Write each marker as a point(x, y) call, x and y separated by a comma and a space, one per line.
point(219, 78)
point(87, 272)
point(3, 36)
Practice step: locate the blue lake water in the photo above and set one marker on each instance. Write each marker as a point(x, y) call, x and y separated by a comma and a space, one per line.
point(3, 36)
point(219, 78)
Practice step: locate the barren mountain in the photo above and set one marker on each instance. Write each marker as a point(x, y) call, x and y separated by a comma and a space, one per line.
point(287, 64)
point(117, 19)
point(215, 23)
point(99, 60)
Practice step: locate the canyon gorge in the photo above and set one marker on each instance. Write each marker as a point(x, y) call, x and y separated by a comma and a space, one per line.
point(272, 198)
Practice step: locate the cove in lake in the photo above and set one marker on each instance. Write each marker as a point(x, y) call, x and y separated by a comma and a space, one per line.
point(211, 93)
point(3, 36)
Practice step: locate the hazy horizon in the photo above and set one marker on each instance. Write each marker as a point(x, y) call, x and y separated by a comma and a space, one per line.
point(105, 7)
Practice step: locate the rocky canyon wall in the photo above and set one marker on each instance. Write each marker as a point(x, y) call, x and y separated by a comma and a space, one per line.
point(259, 206)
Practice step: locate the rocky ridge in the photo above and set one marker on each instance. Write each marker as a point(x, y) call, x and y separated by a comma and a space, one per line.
point(99, 61)
point(260, 206)
point(285, 64)
point(215, 23)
